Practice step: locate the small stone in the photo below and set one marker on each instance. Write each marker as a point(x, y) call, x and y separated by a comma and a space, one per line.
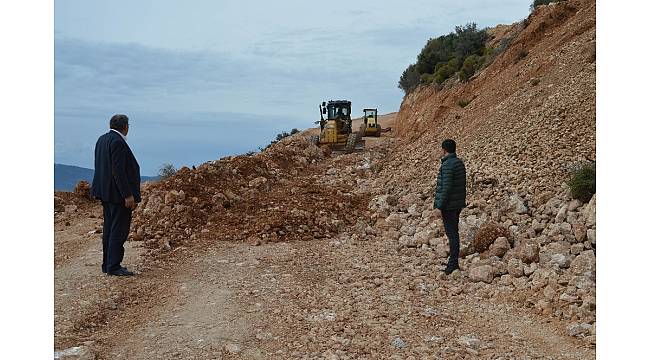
point(549, 292)
point(577, 248)
point(515, 268)
point(561, 214)
point(574, 205)
point(591, 236)
point(232, 348)
point(71, 208)
point(579, 329)
point(517, 204)
point(521, 283)
point(398, 343)
point(165, 245)
point(529, 269)
point(568, 298)
point(75, 353)
point(254, 241)
point(469, 341)
point(257, 182)
point(170, 197)
point(181, 196)
point(580, 232)
point(560, 260)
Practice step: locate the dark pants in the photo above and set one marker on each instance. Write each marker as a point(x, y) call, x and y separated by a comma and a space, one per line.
point(450, 219)
point(117, 221)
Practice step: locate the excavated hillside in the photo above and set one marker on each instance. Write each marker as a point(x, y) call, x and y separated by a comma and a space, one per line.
point(295, 252)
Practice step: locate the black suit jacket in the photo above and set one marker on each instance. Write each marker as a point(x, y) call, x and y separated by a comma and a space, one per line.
point(117, 173)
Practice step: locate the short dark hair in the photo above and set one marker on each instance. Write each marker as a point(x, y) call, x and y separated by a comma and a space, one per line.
point(449, 145)
point(119, 122)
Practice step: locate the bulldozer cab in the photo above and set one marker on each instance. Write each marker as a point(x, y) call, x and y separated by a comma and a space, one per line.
point(339, 109)
point(370, 117)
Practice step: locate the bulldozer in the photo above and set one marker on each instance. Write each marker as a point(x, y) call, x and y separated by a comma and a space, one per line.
point(370, 126)
point(336, 129)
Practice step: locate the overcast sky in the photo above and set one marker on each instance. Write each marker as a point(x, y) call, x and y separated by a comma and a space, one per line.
point(204, 79)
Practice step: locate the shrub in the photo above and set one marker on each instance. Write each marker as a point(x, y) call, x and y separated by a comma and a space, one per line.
point(166, 170)
point(471, 64)
point(487, 233)
point(443, 56)
point(445, 70)
point(426, 78)
point(583, 182)
point(279, 137)
point(535, 82)
point(462, 103)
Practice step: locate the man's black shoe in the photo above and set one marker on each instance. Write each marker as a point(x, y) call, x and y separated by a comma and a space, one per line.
point(451, 268)
point(121, 272)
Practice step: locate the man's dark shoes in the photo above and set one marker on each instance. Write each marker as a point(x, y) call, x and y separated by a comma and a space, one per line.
point(451, 268)
point(121, 272)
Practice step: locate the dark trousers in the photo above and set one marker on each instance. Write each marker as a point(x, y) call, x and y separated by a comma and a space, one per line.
point(117, 222)
point(450, 219)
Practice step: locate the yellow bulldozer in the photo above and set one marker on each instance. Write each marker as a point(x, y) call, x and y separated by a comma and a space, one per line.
point(336, 129)
point(370, 126)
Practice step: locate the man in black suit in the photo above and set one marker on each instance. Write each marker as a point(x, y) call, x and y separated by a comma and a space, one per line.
point(117, 184)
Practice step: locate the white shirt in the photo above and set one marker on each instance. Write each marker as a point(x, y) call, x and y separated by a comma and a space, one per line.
point(122, 135)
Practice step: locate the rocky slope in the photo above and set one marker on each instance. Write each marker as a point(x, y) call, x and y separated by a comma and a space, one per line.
point(530, 121)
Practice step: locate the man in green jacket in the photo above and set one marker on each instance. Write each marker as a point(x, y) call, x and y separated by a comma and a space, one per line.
point(450, 199)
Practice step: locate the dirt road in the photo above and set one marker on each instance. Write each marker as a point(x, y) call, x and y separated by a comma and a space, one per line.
point(342, 297)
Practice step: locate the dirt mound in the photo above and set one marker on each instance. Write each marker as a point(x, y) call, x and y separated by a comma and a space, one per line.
point(276, 195)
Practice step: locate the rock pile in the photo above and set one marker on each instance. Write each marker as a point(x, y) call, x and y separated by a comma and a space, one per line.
point(275, 195)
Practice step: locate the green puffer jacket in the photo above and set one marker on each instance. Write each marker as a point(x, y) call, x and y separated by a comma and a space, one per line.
point(450, 188)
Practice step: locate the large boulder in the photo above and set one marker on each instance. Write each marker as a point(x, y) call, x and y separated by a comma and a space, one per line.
point(589, 212)
point(484, 273)
point(500, 246)
point(584, 264)
point(517, 204)
point(527, 252)
point(515, 268)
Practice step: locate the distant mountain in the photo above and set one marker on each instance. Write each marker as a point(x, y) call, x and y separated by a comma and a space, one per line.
point(67, 176)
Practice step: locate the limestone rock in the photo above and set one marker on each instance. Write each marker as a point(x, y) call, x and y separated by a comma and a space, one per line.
point(560, 260)
point(484, 273)
point(516, 204)
point(515, 268)
point(527, 251)
point(75, 353)
point(589, 212)
point(500, 246)
point(579, 329)
point(584, 264)
point(561, 214)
